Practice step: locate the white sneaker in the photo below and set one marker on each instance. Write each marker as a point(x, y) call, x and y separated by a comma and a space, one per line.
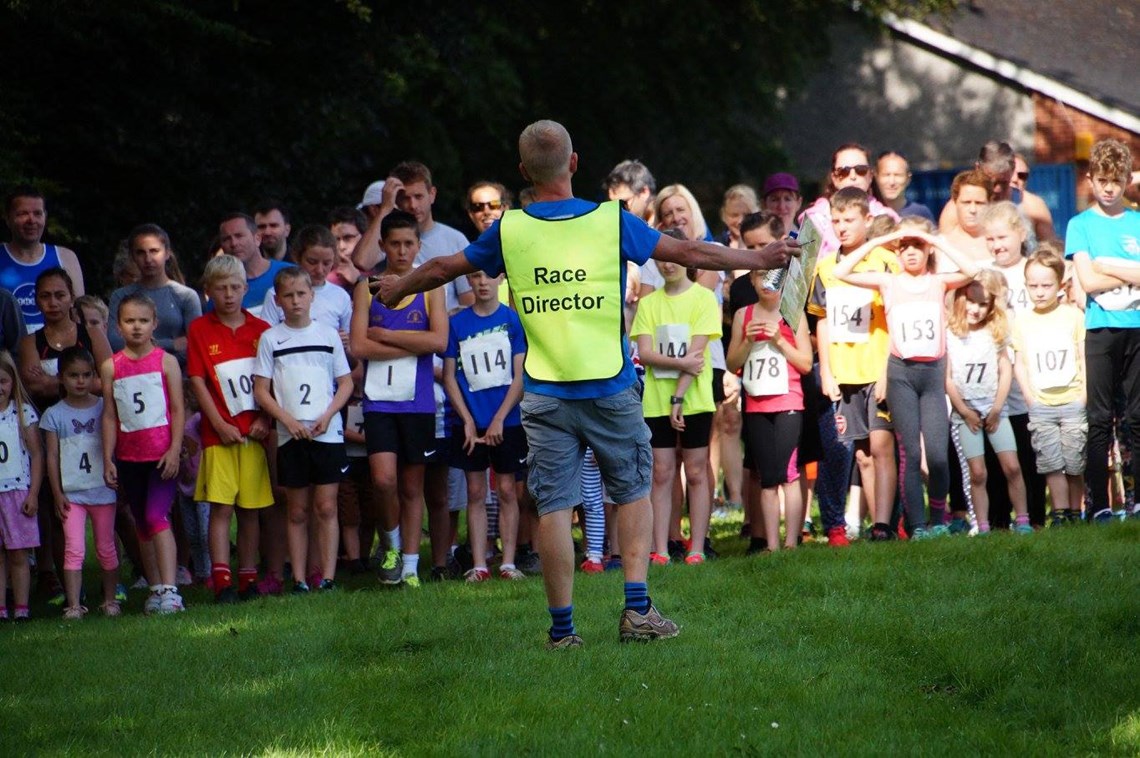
point(153, 602)
point(140, 584)
point(170, 602)
point(183, 577)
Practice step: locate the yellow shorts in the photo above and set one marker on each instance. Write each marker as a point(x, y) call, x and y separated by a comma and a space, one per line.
point(234, 475)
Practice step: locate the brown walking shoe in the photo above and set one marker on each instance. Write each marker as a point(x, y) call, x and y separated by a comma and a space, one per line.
point(643, 628)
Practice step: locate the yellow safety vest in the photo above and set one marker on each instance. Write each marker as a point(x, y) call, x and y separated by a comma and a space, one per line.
point(565, 277)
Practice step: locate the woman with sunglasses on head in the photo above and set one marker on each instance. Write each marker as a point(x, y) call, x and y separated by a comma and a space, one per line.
point(850, 167)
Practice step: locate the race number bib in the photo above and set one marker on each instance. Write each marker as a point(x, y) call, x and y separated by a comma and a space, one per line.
point(235, 378)
point(80, 462)
point(1126, 298)
point(304, 391)
point(976, 380)
point(1051, 367)
point(393, 380)
point(141, 402)
point(50, 366)
point(672, 341)
point(486, 360)
point(11, 455)
point(849, 314)
point(765, 371)
point(915, 328)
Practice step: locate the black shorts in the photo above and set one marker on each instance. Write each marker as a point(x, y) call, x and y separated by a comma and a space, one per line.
point(718, 385)
point(508, 457)
point(411, 436)
point(698, 429)
point(811, 444)
point(301, 463)
point(771, 440)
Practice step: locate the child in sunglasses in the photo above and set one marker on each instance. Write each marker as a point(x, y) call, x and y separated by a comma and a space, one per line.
point(916, 370)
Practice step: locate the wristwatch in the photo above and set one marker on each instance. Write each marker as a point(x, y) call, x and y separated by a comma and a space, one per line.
point(674, 400)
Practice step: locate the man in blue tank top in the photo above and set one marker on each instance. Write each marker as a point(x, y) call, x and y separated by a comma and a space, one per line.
point(25, 256)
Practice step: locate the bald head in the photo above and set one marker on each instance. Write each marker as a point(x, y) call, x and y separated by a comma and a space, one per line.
point(545, 149)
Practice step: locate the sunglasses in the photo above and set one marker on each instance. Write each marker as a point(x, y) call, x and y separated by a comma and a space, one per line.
point(490, 205)
point(841, 171)
point(1023, 175)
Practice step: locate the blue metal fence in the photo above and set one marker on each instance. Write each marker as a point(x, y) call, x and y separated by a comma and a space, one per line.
point(1055, 183)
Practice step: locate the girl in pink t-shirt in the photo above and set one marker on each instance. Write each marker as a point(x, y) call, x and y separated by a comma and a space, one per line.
point(772, 356)
point(916, 372)
point(143, 418)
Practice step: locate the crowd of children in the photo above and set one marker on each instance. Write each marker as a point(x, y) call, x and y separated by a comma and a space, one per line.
point(930, 384)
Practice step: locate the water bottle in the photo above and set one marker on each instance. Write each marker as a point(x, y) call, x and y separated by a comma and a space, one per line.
point(774, 279)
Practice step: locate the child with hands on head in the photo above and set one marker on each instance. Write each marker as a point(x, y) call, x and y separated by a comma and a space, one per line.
point(143, 418)
point(21, 475)
point(73, 443)
point(914, 301)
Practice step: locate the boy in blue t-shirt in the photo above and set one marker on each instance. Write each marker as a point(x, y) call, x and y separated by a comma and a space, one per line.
point(483, 376)
point(1104, 244)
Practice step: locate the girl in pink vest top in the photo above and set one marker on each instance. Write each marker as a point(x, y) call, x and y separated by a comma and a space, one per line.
point(143, 418)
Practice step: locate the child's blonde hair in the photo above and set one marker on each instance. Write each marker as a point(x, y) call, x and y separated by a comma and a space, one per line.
point(95, 303)
point(1005, 212)
point(19, 394)
point(222, 267)
point(986, 289)
point(881, 226)
point(742, 192)
point(1049, 255)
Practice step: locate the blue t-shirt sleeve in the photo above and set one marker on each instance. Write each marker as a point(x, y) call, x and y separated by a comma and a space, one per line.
point(452, 350)
point(638, 240)
point(486, 252)
point(515, 331)
point(1076, 238)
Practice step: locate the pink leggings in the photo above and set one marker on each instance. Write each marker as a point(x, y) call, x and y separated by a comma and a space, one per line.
point(75, 536)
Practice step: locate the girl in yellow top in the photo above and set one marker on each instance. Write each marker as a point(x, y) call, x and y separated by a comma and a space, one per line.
point(1050, 345)
point(673, 327)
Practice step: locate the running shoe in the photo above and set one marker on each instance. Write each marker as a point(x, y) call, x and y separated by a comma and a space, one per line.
point(651, 625)
point(1022, 529)
point(170, 602)
point(326, 585)
point(226, 596)
point(837, 536)
point(249, 593)
point(111, 609)
point(563, 643)
point(613, 563)
point(677, 550)
point(1103, 517)
point(140, 584)
point(74, 612)
point(120, 593)
point(511, 574)
point(882, 533)
point(959, 525)
point(477, 575)
point(592, 566)
point(939, 530)
point(183, 577)
point(710, 554)
point(412, 580)
point(392, 568)
point(300, 588)
point(658, 560)
point(694, 559)
point(270, 585)
point(528, 561)
point(153, 603)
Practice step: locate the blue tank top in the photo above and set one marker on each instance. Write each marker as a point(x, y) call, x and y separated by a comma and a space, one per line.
point(394, 379)
point(20, 279)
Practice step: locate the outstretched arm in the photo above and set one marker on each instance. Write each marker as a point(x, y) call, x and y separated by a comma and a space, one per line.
point(435, 273)
point(705, 255)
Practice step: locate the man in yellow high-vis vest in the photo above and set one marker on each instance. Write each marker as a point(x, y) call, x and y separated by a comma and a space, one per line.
point(565, 259)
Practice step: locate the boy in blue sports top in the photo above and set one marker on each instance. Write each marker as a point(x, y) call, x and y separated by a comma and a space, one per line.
point(483, 376)
point(1104, 244)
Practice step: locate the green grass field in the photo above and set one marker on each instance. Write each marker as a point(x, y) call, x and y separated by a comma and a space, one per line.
point(1000, 645)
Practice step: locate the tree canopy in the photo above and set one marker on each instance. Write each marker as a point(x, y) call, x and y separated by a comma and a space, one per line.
point(125, 111)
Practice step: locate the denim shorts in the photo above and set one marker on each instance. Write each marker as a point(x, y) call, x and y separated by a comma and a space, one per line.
point(1059, 434)
point(558, 432)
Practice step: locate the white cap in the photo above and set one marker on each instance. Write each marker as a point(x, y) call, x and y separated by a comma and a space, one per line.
point(373, 194)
